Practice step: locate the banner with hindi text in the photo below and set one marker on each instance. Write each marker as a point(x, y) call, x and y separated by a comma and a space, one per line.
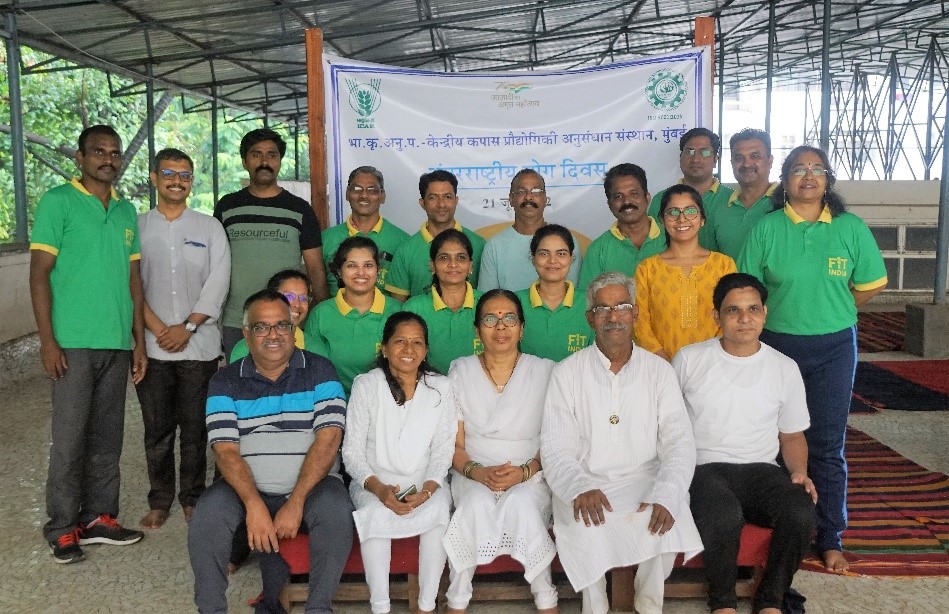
point(570, 126)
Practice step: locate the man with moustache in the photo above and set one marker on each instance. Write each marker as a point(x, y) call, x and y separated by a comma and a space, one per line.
point(86, 287)
point(269, 230)
point(506, 260)
point(275, 422)
point(699, 152)
point(186, 265)
point(365, 193)
point(727, 227)
point(411, 273)
point(747, 404)
point(618, 456)
point(634, 236)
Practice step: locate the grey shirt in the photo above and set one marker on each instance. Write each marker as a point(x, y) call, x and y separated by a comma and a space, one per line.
point(186, 268)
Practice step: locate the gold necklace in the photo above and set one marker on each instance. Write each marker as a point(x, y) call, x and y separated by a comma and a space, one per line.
point(484, 365)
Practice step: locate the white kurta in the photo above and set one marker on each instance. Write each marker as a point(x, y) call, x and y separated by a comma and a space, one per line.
point(402, 445)
point(499, 428)
point(647, 456)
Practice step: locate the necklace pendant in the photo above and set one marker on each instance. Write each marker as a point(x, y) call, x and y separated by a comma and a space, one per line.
point(614, 419)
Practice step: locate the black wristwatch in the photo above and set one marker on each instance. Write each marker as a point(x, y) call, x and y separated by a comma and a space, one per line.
point(190, 326)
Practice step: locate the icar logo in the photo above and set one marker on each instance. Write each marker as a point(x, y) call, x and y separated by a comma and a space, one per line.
point(365, 99)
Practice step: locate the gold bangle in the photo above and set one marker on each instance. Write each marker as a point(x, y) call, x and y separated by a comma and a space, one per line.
point(427, 492)
point(469, 467)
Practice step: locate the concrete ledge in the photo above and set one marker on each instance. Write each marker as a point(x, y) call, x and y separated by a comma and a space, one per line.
point(19, 360)
point(927, 330)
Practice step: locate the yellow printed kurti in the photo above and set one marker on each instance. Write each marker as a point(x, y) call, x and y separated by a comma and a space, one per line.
point(676, 309)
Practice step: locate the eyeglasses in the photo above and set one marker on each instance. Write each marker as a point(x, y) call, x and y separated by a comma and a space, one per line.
point(800, 171)
point(508, 319)
point(689, 213)
point(168, 174)
point(371, 190)
point(263, 330)
point(601, 311)
point(705, 152)
point(293, 296)
point(522, 192)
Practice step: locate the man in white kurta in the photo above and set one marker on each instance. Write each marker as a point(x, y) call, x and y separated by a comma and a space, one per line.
point(618, 454)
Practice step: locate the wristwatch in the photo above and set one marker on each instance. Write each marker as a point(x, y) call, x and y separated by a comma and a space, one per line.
point(190, 326)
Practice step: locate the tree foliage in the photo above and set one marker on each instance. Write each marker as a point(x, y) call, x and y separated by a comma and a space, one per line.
point(57, 105)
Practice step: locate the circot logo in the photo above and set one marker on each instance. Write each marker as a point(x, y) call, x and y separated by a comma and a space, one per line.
point(666, 90)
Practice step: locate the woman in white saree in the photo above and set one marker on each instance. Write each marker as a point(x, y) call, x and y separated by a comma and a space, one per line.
point(400, 430)
point(502, 502)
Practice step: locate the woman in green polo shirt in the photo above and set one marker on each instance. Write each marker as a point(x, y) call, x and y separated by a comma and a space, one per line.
point(347, 329)
point(448, 306)
point(819, 264)
point(555, 313)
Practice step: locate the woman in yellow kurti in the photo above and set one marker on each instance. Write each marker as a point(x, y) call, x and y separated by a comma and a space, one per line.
point(674, 288)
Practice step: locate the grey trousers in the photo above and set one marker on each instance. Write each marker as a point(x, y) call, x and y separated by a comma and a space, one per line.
point(327, 518)
point(87, 427)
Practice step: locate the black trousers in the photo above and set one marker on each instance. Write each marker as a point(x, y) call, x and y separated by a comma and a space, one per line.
point(725, 496)
point(173, 396)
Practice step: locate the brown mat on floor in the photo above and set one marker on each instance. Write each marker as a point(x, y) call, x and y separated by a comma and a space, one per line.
point(881, 331)
point(898, 514)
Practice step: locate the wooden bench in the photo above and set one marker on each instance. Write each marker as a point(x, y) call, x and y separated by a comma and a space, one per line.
point(752, 553)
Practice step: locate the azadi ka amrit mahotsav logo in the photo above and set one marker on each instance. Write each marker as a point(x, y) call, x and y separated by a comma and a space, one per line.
point(666, 90)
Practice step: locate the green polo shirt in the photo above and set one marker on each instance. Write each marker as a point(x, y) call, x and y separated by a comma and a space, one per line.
point(451, 334)
point(94, 246)
point(612, 251)
point(715, 197)
point(809, 267)
point(410, 274)
point(728, 227)
point(387, 237)
point(554, 334)
point(350, 340)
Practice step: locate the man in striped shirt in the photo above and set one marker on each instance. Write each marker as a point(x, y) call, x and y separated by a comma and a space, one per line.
point(275, 422)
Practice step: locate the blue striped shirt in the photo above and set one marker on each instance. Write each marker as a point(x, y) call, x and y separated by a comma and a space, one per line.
point(275, 423)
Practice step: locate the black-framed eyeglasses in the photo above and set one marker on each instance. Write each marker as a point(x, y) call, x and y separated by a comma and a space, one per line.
point(603, 310)
point(689, 213)
point(293, 296)
point(508, 319)
point(168, 174)
point(262, 330)
point(705, 152)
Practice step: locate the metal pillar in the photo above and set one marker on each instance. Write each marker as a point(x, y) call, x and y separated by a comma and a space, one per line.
point(296, 152)
point(20, 234)
point(150, 119)
point(771, 38)
point(721, 86)
point(942, 237)
point(215, 171)
point(825, 88)
point(928, 156)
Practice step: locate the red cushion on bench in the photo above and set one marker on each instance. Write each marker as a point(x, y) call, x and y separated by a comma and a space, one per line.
point(296, 552)
point(752, 549)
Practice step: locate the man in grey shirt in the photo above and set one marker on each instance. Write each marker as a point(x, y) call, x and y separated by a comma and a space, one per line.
point(186, 266)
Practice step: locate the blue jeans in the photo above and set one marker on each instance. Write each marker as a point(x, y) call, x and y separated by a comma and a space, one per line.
point(828, 364)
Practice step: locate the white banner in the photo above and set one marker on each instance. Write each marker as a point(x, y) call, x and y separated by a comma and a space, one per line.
point(570, 126)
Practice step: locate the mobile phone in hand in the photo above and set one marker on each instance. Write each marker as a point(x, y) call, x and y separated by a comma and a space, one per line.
point(411, 490)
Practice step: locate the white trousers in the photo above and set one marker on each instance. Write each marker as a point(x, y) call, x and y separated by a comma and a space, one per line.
point(649, 586)
point(376, 559)
point(459, 590)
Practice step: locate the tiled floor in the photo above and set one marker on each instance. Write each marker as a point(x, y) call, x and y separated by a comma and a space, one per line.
point(154, 576)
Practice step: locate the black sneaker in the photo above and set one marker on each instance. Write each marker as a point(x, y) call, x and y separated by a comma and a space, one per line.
point(105, 530)
point(65, 548)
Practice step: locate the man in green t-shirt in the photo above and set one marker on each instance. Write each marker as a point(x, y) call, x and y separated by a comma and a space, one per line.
point(86, 287)
point(411, 273)
point(365, 193)
point(699, 151)
point(728, 226)
point(635, 235)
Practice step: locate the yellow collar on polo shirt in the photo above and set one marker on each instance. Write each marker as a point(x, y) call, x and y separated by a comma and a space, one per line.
point(734, 197)
point(378, 302)
point(429, 236)
point(824, 216)
point(536, 301)
point(439, 304)
point(76, 183)
point(654, 230)
point(353, 231)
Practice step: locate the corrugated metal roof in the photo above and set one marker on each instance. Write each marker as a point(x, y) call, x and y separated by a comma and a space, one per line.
point(252, 50)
